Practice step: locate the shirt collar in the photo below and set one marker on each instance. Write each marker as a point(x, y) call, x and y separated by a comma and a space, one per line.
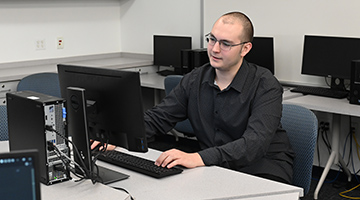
point(239, 79)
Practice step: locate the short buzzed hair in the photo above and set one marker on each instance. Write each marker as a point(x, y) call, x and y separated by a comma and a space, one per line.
point(248, 32)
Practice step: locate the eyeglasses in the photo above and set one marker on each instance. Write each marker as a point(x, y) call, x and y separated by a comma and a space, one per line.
point(224, 45)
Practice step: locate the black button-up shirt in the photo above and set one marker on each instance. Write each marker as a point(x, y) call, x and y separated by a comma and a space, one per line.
point(238, 127)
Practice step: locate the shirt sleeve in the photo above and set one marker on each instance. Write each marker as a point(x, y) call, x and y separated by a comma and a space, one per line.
point(164, 116)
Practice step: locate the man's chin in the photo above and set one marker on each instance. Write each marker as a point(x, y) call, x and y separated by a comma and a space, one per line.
point(215, 65)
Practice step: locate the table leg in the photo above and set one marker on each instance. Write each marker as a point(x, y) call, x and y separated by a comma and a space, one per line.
point(335, 157)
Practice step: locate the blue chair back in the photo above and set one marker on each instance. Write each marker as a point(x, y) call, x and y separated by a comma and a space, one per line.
point(184, 127)
point(3, 124)
point(301, 125)
point(46, 83)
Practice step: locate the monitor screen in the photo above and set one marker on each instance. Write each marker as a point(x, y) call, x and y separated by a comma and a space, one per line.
point(167, 49)
point(113, 101)
point(19, 175)
point(328, 56)
point(262, 52)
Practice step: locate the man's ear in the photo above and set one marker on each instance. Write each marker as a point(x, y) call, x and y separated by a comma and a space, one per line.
point(246, 49)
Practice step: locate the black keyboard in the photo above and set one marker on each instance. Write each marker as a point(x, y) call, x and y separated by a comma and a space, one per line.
point(320, 91)
point(166, 72)
point(137, 164)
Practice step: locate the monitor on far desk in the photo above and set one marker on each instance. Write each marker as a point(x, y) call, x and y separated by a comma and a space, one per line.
point(262, 53)
point(167, 52)
point(103, 105)
point(330, 56)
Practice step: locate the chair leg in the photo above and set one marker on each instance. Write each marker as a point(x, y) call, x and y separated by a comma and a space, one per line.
point(175, 134)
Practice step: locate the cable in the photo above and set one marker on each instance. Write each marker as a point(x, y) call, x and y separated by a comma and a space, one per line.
point(317, 146)
point(88, 174)
point(342, 193)
point(67, 164)
point(122, 189)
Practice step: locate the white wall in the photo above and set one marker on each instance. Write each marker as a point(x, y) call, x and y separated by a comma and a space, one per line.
point(141, 19)
point(288, 22)
point(87, 27)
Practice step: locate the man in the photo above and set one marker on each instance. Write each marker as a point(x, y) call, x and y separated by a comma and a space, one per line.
point(234, 107)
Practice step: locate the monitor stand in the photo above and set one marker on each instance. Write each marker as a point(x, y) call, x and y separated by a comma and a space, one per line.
point(78, 129)
point(108, 176)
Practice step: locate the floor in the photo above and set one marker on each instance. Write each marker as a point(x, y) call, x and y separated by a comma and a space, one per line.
point(335, 183)
point(329, 191)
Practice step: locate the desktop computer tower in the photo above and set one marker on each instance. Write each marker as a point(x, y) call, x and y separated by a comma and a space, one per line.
point(193, 58)
point(200, 57)
point(355, 82)
point(186, 61)
point(38, 121)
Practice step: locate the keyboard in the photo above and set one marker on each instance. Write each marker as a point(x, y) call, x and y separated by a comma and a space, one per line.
point(166, 72)
point(320, 91)
point(137, 164)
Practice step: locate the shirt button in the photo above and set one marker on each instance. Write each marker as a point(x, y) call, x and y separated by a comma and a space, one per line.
point(216, 112)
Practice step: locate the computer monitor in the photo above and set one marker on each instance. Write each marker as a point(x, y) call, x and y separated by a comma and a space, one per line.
point(103, 105)
point(262, 52)
point(329, 56)
point(167, 50)
point(19, 175)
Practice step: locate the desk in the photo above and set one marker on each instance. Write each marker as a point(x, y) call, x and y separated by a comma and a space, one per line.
point(336, 107)
point(152, 80)
point(199, 183)
point(202, 183)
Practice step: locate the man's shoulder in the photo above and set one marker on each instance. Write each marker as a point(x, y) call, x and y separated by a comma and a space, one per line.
point(259, 70)
point(200, 72)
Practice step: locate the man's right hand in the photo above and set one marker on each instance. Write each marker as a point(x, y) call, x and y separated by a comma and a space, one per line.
point(94, 144)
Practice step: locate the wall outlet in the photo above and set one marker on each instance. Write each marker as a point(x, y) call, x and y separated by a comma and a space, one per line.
point(60, 42)
point(324, 126)
point(40, 44)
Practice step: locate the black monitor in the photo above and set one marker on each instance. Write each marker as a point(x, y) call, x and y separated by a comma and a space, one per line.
point(167, 50)
point(19, 170)
point(103, 105)
point(329, 56)
point(262, 52)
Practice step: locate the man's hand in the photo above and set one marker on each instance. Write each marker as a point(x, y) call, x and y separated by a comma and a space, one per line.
point(94, 144)
point(175, 157)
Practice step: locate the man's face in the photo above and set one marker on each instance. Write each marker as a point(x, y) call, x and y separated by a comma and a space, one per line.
point(227, 59)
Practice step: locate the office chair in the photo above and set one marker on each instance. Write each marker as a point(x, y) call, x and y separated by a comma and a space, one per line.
point(3, 123)
point(46, 83)
point(301, 126)
point(183, 127)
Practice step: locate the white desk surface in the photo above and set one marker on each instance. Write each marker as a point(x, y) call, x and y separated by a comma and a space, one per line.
point(83, 190)
point(325, 104)
point(114, 62)
point(152, 80)
point(199, 183)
